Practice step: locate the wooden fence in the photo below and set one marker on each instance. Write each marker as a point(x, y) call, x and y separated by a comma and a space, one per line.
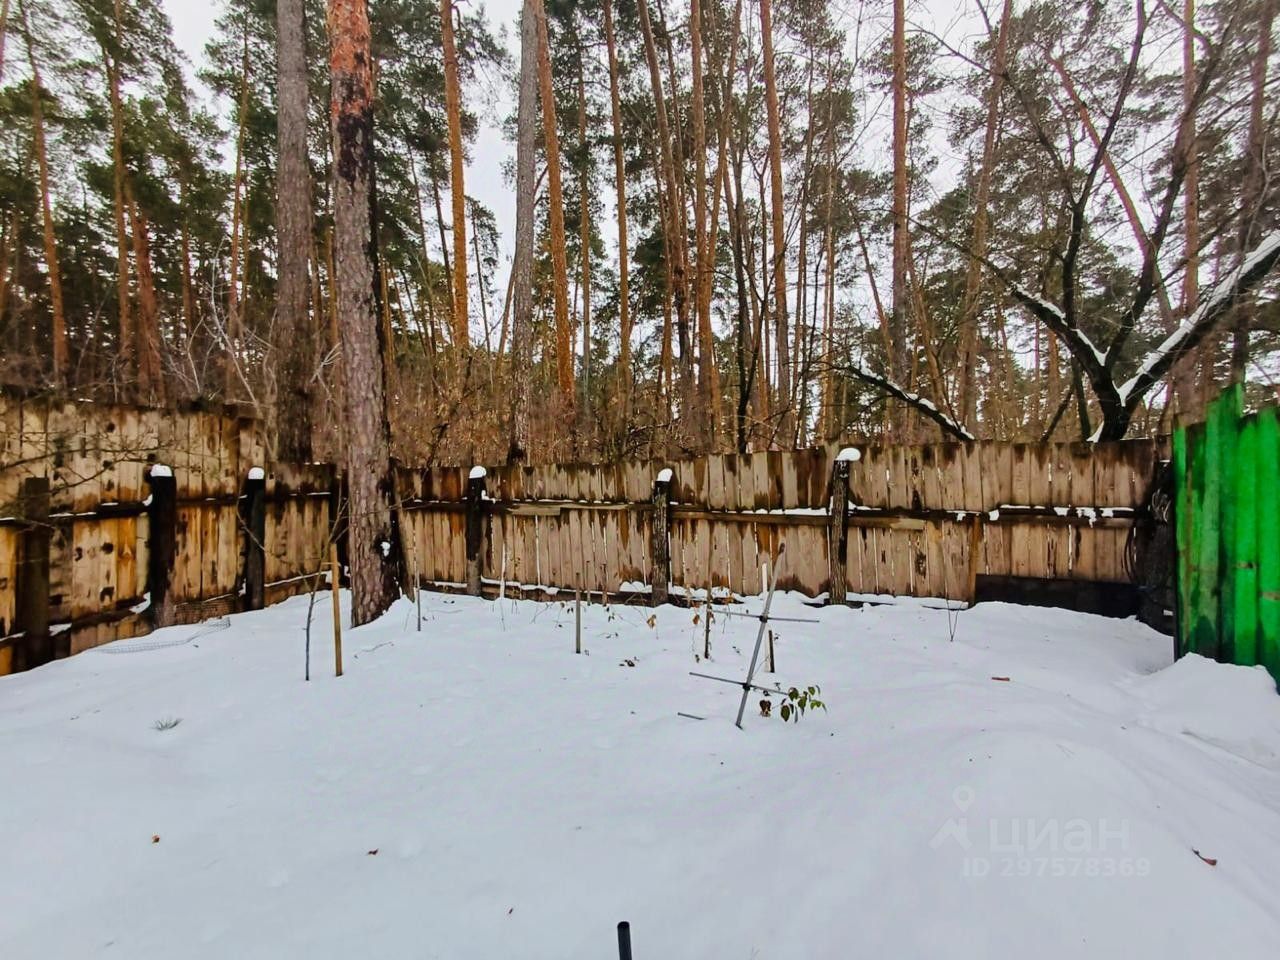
point(95, 544)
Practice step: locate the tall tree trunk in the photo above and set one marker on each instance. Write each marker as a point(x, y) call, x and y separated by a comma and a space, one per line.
point(775, 203)
point(59, 332)
point(480, 284)
point(978, 243)
point(374, 549)
point(670, 198)
point(584, 232)
point(826, 418)
point(702, 272)
point(522, 263)
point(1255, 174)
point(620, 185)
point(188, 286)
point(1184, 389)
point(4, 32)
point(292, 335)
point(150, 376)
point(453, 108)
point(235, 321)
point(555, 212)
point(719, 181)
point(900, 303)
point(746, 348)
point(123, 303)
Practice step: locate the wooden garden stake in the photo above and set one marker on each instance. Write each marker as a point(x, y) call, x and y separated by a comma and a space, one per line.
point(706, 628)
point(577, 621)
point(417, 586)
point(337, 610)
point(772, 666)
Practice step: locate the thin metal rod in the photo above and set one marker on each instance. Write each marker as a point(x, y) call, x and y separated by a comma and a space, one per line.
point(761, 616)
point(738, 683)
point(755, 654)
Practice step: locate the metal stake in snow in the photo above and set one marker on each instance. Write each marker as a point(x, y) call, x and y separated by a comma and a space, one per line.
point(763, 617)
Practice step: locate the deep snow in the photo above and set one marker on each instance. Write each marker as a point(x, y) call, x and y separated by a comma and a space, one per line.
point(522, 800)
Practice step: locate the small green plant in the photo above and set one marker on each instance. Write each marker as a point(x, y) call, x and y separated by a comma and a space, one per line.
point(798, 701)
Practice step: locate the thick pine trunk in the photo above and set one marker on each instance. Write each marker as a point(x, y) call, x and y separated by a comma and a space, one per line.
point(1255, 175)
point(555, 209)
point(898, 352)
point(124, 315)
point(978, 243)
point(1184, 381)
point(150, 376)
point(453, 109)
point(775, 203)
point(292, 334)
point(522, 264)
point(702, 272)
point(235, 321)
point(59, 330)
point(584, 234)
point(671, 204)
point(620, 184)
point(373, 548)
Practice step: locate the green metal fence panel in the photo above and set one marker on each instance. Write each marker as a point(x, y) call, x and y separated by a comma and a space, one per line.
point(1228, 534)
point(1267, 522)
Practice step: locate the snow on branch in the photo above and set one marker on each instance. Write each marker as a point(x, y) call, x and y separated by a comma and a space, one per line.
point(1053, 317)
point(1196, 327)
point(923, 404)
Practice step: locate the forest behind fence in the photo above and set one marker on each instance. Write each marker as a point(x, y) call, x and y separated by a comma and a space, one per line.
point(96, 544)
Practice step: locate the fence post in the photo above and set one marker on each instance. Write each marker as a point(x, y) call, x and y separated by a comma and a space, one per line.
point(475, 528)
point(660, 538)
point(162, 517)
point(32, 613)
point(838, 531)
point(253, 521)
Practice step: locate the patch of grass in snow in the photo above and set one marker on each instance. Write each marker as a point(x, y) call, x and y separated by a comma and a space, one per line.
point(166, 723)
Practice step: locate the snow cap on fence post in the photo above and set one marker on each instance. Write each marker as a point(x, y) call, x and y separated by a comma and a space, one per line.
point(849, 455)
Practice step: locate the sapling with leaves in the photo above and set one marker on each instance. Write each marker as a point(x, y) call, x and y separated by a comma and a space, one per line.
point(795, 703)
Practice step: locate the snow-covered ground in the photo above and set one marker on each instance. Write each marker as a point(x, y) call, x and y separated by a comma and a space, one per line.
point(477, 790)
